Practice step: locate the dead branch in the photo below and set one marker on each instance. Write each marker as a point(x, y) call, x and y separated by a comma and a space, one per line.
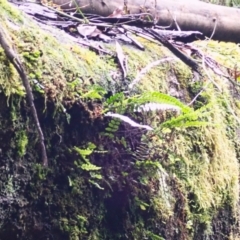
point(13, 58)
point(184, 14)
point(187, 60)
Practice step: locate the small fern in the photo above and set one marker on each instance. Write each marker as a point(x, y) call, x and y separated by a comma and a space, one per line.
point(157, 97)
point(190, 119)
point(118, 97)
point(147, 107)
point(94, 92)
point(93, 170)
point(112, 128)
point(83, 152)
point(117, 102)
point(113, 125)
point(150, 101)
point(90, 167)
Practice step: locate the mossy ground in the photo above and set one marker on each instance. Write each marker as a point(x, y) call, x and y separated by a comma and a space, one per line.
point(186, 189)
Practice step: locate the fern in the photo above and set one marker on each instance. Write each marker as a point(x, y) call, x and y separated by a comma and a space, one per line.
point(92, 94)
point(190, 119)
point(113, 125)
point(150, 101)
point(156, 97)
point(83, 152)
point(112, 128)
point(156, 107)
point(118, 97)
point(90, 167)
point(117, 102)
point(95, 92)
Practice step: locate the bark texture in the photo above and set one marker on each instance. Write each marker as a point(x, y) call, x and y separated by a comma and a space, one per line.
point(222, 23)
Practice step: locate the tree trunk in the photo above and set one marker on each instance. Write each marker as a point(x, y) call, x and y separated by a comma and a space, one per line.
point(219, 22)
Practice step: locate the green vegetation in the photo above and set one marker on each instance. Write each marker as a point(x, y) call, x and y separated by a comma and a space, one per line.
point(177, 178)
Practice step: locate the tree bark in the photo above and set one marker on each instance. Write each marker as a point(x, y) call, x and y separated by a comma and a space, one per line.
point(219, 22)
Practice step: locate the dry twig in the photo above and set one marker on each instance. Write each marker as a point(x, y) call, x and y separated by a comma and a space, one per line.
point(147, 69)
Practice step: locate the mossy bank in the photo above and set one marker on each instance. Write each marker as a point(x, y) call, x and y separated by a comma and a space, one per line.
point(106, 179)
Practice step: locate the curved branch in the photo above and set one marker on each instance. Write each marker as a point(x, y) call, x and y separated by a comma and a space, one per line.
point(13, 58)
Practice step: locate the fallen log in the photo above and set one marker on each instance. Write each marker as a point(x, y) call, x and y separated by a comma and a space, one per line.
point(218, 22)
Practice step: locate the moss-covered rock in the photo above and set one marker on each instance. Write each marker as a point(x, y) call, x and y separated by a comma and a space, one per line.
point(106, 179)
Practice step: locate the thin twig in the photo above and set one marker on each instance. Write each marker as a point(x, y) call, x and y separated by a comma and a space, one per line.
point(195, 98)
point(147, 69)
point(214, 29)
point(13, 58)
point(90, 23)
point(187, 60)
point(80, 11)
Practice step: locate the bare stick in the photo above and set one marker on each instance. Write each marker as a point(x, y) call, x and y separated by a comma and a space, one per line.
point(13, 58)
point(195, 98)
point(147, 69)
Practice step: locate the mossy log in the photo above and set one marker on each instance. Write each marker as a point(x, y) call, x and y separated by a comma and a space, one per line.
point(94, 188)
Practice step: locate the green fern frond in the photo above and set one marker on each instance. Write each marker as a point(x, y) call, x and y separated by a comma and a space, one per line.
point(95, 92)
point(90, 167)
point(113, 125)
point(83, 152)
point(151, 101)
point(157, 97)
point(92, 94)
point(190, 119)
point(118, 97)
point(116, 103)
point(189, 124)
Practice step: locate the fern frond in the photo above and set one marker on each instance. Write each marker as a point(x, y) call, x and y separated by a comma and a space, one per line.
point(157, 106)
point(157, 97)
point(83, 152)
point(95, 92)
point(117, 102)
point(90, 167)
point(115, 98)
point(189, 124)
point(92, 94)
point(190, 119)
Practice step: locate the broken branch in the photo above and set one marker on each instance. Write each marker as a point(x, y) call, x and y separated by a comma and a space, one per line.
point(13, 58)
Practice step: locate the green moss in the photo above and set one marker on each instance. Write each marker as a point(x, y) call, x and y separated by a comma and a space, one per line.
point(155, 79)
point(22, 142)
point(53, 65)
point(188, 179)
point(8, 10)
